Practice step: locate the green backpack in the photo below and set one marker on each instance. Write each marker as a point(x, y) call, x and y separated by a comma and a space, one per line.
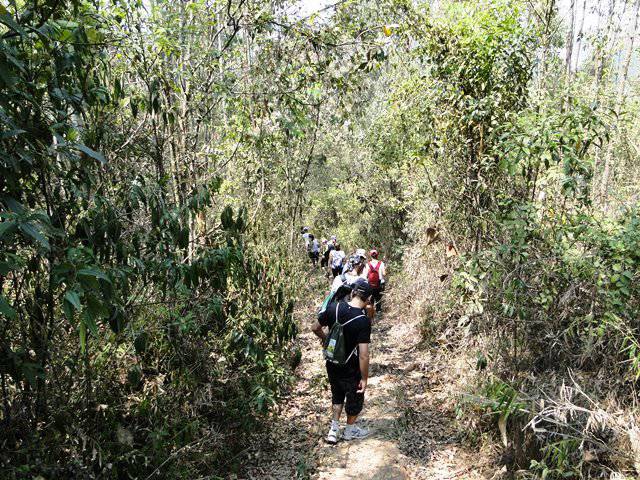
point(335, 346)
point(340, 294)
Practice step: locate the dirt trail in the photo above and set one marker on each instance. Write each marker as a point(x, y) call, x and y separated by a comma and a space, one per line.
point(407, 407)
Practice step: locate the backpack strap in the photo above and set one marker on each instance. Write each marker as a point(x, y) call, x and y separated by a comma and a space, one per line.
point(355, 349)
point(350, 320)
point(375, 269)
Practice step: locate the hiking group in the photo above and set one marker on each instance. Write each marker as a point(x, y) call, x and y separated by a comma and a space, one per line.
point(343, 325)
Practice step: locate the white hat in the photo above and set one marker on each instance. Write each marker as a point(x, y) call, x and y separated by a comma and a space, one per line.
point(361, 253)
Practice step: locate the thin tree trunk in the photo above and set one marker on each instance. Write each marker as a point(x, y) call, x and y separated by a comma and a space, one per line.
point(599, 72)
point(580, 35)
point(569, 48)
point(618, 107)
point(546, 44)
point(603, 49)
point(569, 39)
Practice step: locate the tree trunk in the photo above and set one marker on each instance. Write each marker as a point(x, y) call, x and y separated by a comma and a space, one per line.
point(598, 74)
point(602, 51)
point(580, 35)
point(546, 43)
point(569, 49)
point(569, 39)
point(618, 107)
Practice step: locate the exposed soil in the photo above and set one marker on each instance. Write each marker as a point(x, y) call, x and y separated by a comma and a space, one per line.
point(408, 407)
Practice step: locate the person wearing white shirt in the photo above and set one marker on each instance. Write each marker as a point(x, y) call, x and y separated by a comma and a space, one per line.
point(305, 237)
point(336, 260)
point(354, 266)
point(314, 250)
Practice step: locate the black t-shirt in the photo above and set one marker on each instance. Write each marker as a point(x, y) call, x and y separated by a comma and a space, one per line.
point(355, 332)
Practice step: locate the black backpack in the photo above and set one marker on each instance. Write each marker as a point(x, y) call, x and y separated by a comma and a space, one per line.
point(335, 348)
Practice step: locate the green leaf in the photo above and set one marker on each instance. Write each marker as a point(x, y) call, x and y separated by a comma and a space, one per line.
point(96, 308)
point(94, 273)
point(31, 230)
point(12, 133)
point(5, 267)
point(83, 337)
point(14, 205)
point(92, 153)
point(90, 322)
point(93, 35)
point(73, 298)
point(7, 75)
point(227, 217)
point(68, 311)
point(7, 227)
point(116, 320)
point(7, 19)
point(6, 309)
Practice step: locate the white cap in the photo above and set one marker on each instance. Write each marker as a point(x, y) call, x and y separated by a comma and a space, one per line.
point(361, 253)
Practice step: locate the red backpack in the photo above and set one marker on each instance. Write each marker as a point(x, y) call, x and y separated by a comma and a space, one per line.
point(373, 277)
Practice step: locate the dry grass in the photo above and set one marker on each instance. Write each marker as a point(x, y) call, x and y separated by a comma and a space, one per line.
point(606, 430)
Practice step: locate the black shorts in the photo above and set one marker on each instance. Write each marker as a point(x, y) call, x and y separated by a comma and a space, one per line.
point(376, 293)
point(346, 388)
point(336, 271)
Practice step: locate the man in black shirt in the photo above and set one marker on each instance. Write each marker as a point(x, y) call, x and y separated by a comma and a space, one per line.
point(348, 382)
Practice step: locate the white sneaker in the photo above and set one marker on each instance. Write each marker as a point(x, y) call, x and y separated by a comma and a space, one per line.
point(354, 432)
point(334, 433)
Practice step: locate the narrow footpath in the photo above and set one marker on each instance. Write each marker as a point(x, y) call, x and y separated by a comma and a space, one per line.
point(408, 407)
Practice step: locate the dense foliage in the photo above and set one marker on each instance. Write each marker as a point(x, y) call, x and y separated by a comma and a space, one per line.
point(140, 315)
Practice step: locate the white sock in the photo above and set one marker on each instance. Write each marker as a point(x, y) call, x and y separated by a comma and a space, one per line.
point(335, 424)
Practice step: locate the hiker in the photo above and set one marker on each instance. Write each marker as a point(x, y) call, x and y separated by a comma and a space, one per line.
point(346, 348)
point(331, 245)
point(362, 255)
point(375, 275)
point(326, 249)
point(314, 250)
point(353, 269)
point(342, 286)
point(305, 237)
point(336, 260)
